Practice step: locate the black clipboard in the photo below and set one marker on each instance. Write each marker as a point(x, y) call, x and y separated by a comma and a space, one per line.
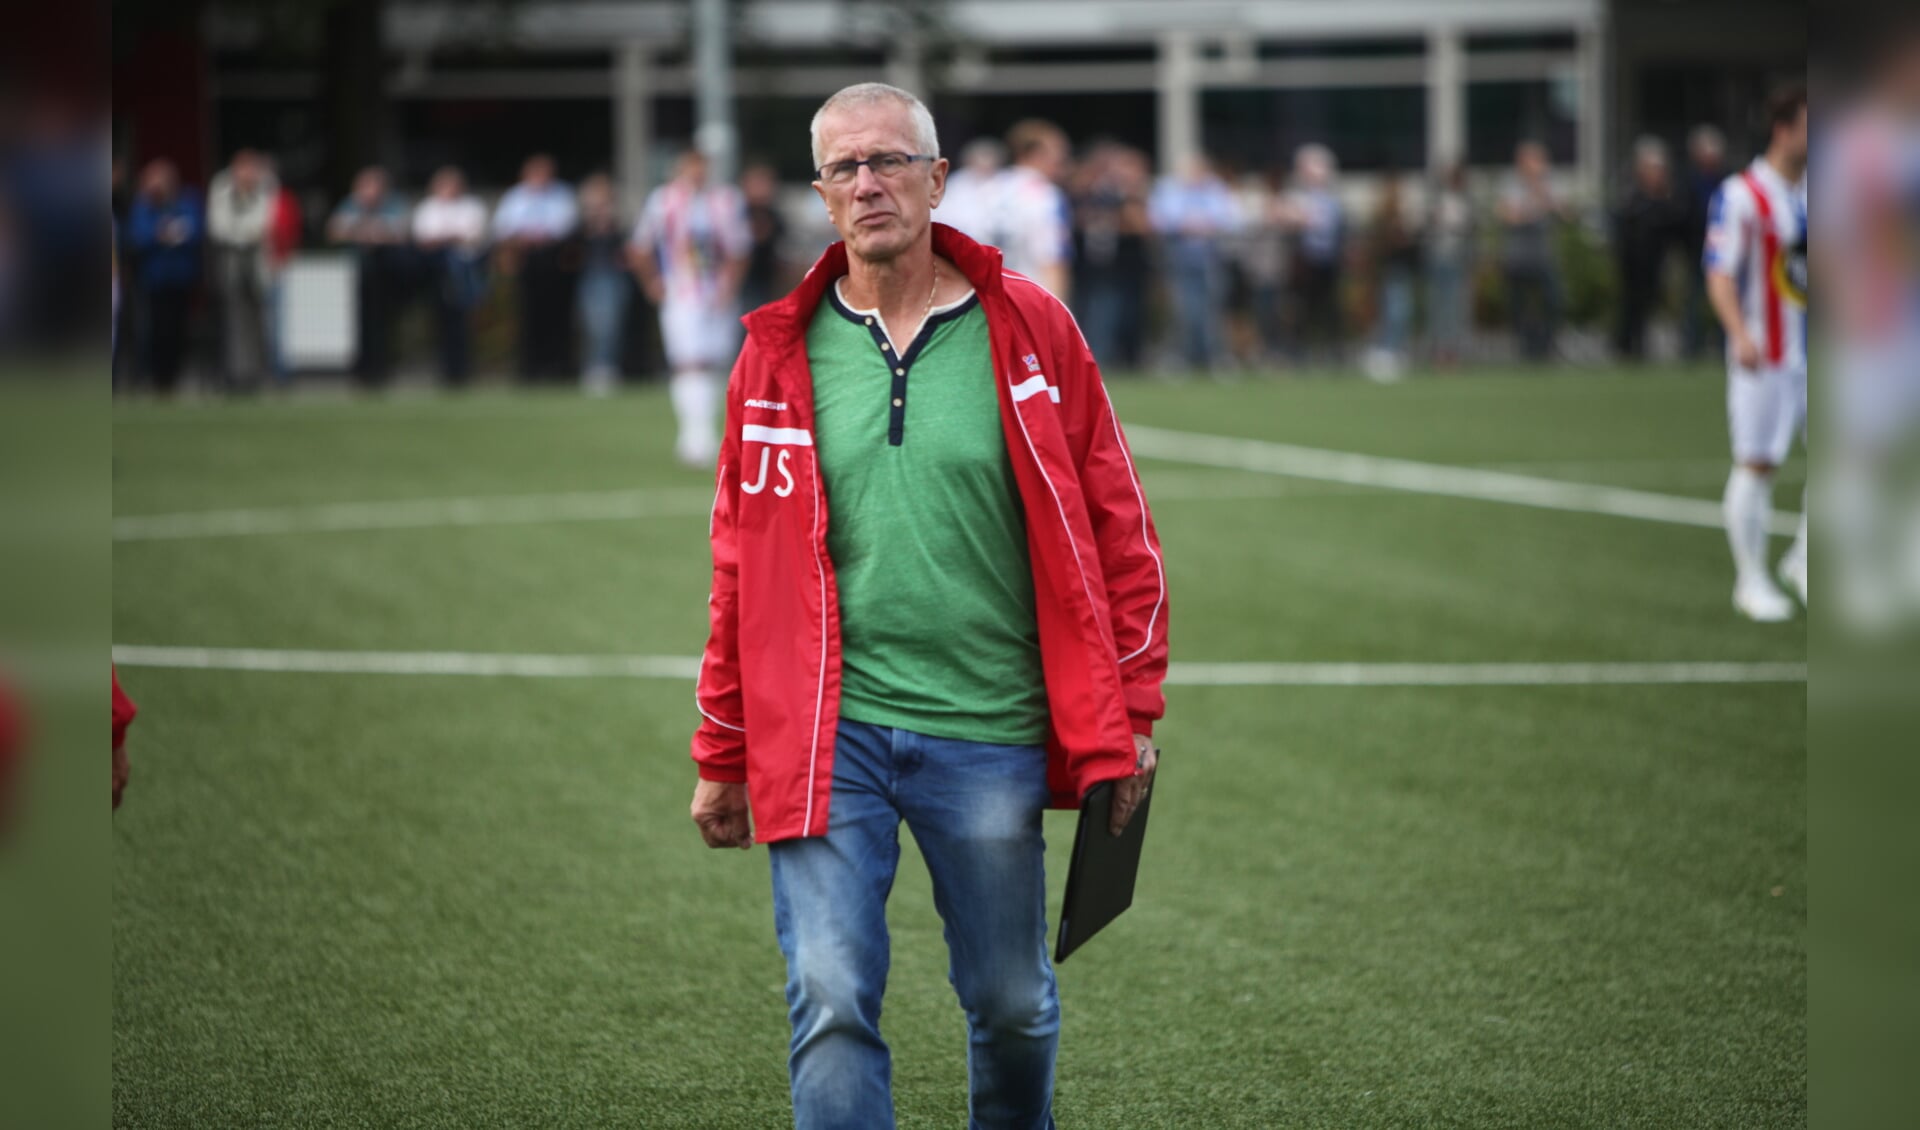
point(1100, 879)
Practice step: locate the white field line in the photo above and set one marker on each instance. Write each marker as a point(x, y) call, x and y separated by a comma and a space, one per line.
point(410, 662)
point(578, 506)
point(1430, 478)
point(1179, 674)
point(1255, 456)
point(1476, 674)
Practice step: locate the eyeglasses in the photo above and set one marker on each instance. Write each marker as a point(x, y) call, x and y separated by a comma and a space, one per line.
point(882, 164)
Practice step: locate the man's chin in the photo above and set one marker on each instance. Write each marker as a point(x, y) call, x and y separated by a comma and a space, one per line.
point(878, 245)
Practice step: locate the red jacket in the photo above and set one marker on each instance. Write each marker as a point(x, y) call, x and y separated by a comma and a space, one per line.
point(769, 686)
point(283, 229)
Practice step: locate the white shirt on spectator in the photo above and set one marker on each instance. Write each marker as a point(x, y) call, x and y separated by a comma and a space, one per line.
point(462, 220)
point(968, 204)
point(1030, 221)
point(548, 212)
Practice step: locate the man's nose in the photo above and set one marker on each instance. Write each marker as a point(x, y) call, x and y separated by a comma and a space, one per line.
point(866, 182)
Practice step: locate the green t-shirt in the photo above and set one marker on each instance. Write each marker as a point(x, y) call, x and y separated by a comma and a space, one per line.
point(927, 533)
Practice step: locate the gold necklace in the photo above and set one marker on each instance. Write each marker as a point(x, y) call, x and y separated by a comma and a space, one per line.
point(928, 312)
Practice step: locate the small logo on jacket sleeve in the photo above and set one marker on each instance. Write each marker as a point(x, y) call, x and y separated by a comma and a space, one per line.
point(1033, 362)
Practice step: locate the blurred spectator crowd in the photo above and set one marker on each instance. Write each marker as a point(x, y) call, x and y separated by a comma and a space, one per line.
point(1208, 268)
point(560, 260)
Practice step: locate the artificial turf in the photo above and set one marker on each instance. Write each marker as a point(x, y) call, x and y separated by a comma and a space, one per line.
point(435, 901)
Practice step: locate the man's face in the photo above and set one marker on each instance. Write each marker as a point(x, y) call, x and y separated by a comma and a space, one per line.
point(879, 217)
point(1051, 158)
point(1652, 174)
point(759, 185)
point(1532, 160)
point(246, 171)
point(692, 168)
point(159, 180)
point(538, 172)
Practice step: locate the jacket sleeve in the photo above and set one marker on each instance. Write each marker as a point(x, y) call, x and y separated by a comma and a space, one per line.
point(1130, 560)
point(720, 744)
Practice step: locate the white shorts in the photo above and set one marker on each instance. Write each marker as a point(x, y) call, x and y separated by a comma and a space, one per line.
point(698, 335)
point(1766, 408)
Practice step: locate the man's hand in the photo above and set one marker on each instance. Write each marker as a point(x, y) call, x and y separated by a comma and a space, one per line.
point(1128, 792)
point(720, 809)
point(1746, 353)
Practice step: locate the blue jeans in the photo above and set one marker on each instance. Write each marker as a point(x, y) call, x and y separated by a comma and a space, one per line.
point(1396, 309)
point(603, 308)
point(975, 810)
point(1449, 297)
point(1533, 296)
point(1199, 294)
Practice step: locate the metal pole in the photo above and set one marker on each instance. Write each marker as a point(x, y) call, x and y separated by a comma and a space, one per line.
point(1446, 98)
point(713, 76)
point(1179, 99)
point(1590, 130)
point(633, 122)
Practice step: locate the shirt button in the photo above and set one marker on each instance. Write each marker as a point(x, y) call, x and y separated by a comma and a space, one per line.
point(884, 348)
point(869, 321)
point(899, 372)
point(897, 402)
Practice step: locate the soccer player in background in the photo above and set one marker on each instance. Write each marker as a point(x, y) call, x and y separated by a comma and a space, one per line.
point(690, 250)
point(1756, 262)
point(1870, 260)
point(1032, 223)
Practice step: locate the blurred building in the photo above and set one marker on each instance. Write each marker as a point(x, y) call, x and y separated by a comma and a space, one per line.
point(1384, 83)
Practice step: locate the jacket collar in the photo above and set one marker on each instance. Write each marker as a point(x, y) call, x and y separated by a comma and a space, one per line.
point(782, 322)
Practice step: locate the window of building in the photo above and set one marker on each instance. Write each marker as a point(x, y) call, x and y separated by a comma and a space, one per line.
point(1367, 128)
point(1500, 115)
point(490, 138)
point(1124, 117)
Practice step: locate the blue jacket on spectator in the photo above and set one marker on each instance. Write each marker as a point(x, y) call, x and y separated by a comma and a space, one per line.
point(160, 262)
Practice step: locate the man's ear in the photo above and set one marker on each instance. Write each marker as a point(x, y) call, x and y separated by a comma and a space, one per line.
point(939, 181)
point(822, 190)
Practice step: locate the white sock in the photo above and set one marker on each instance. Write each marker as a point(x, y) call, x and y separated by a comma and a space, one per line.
point(1746, 507)
point(695, 395)
point(1798, 551)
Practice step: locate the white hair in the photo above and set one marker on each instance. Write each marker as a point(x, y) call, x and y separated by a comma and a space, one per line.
point(1707, 139)
point(1650, 149)
point(925, 139)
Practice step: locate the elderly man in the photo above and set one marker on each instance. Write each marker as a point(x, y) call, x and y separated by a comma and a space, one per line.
point(240, 204)
point(1649, 222)
point(938, 598)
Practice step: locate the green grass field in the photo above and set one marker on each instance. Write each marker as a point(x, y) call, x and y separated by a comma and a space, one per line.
point(401, 900)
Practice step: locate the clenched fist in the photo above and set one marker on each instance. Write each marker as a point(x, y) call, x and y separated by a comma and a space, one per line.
point(720, 809)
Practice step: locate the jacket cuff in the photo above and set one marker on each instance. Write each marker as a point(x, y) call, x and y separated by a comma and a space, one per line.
point(1141, 724)
point(723, 775)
